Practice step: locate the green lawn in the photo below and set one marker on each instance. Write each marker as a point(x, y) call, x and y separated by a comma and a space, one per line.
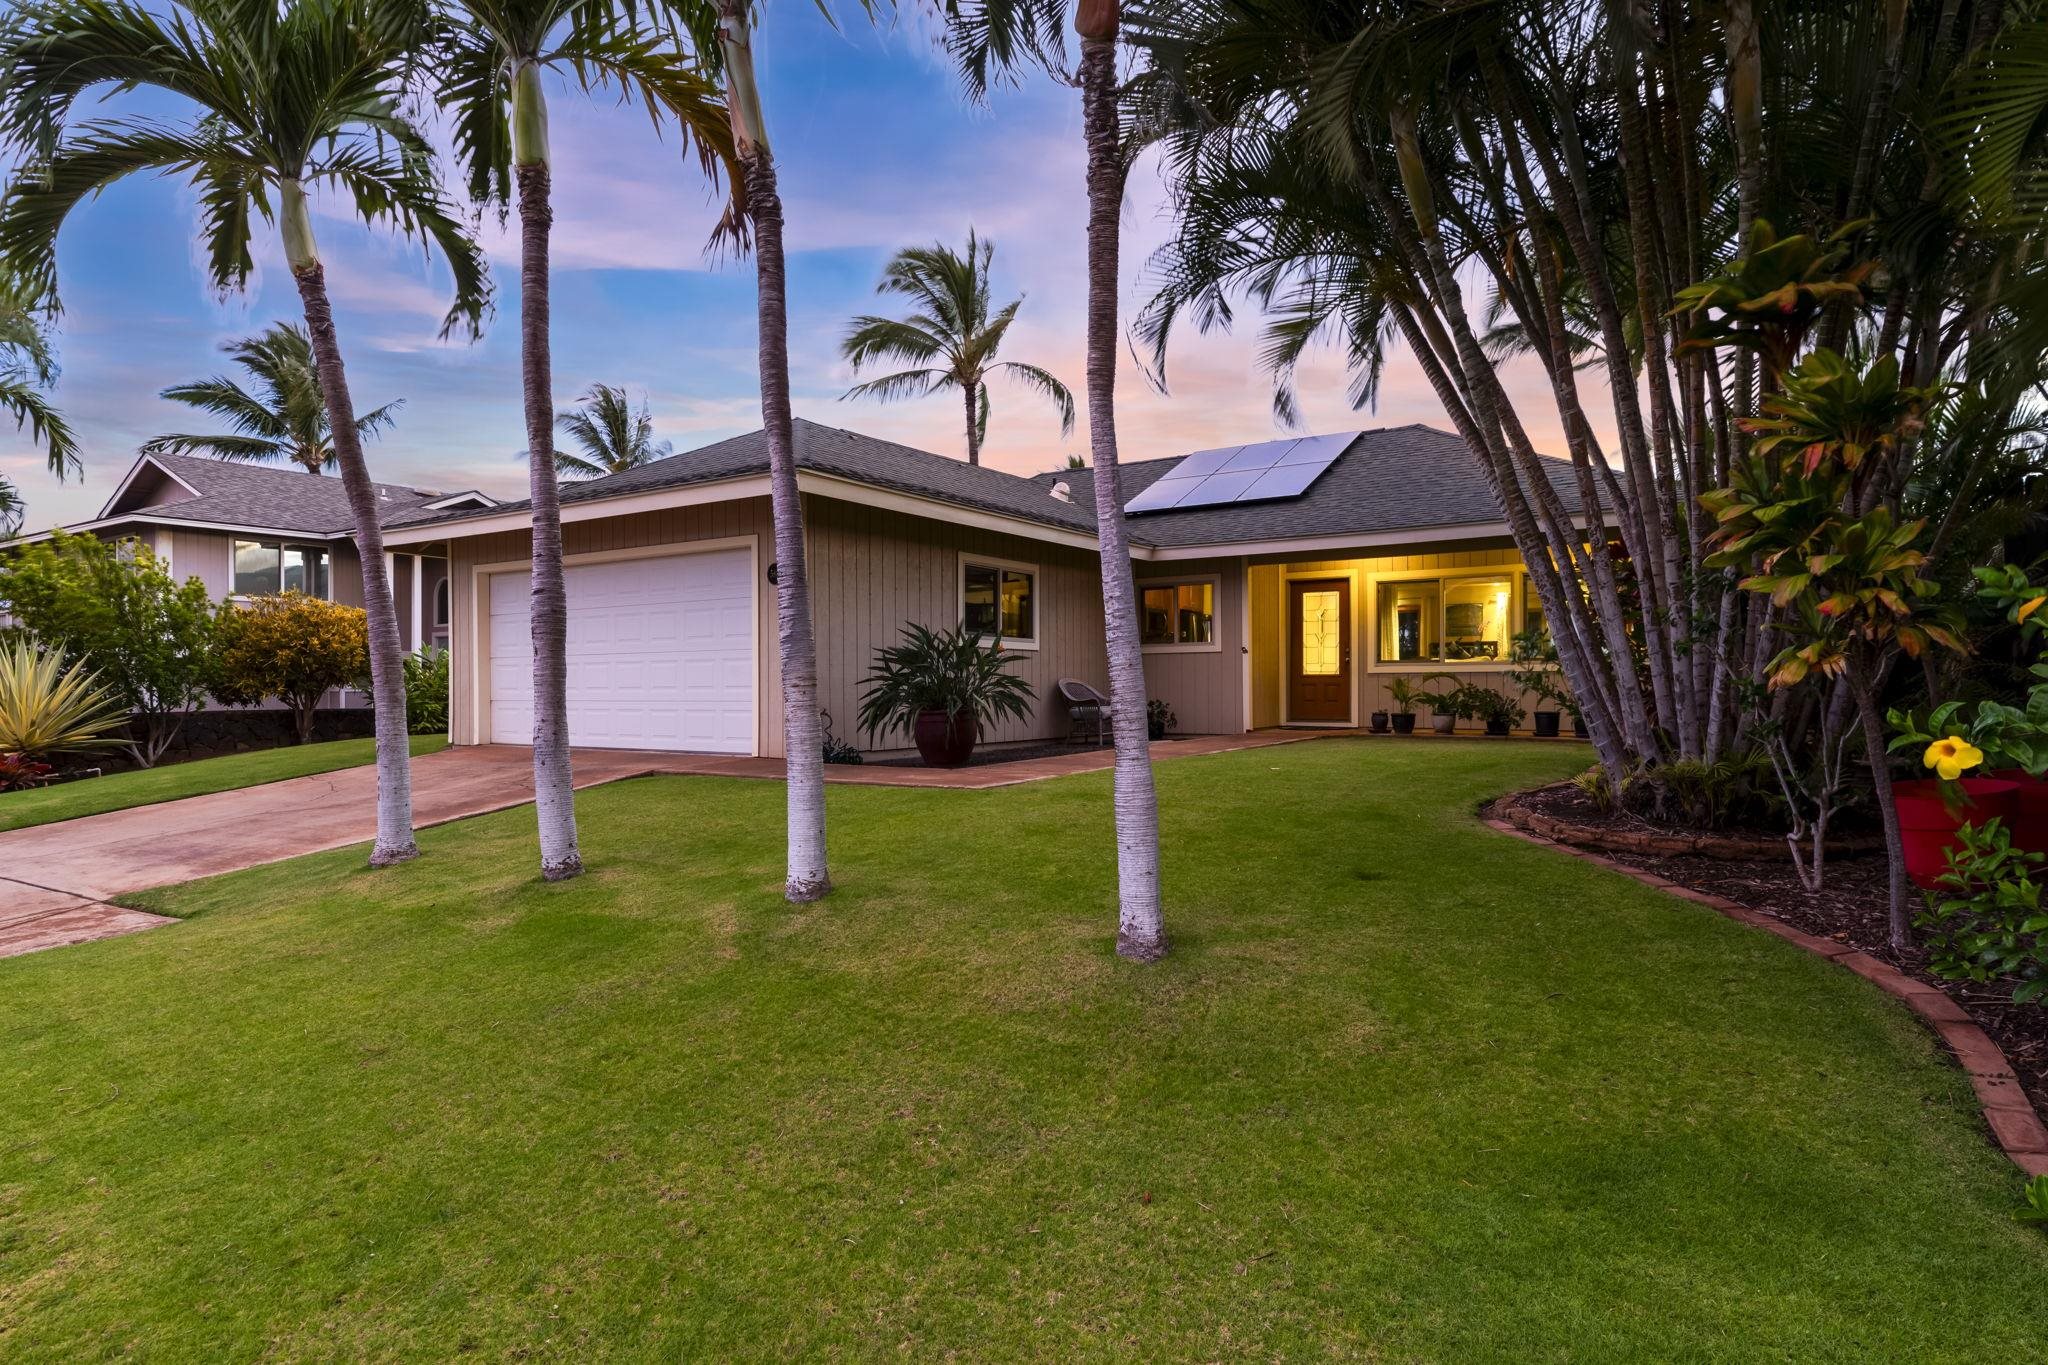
point(146, 787)
point(1407, 1089)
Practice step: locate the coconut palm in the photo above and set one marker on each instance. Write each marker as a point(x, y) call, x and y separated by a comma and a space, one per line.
point(27, 367)
point(992, 40)
point(614, 438)
point(951, 338)
point(285, 101)
point(808, 877)
point(489, 60)
point(282, 417)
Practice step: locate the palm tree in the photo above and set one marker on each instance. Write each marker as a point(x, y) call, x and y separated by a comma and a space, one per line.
point(808, 877)
point(283, 418)
point(27, 367)
point(991, 40)
point(613, 436)
point(286, 100)
point(951, 336)
point(490, 56)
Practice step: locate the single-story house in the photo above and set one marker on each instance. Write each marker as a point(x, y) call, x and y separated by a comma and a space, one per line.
point(1283, 583)
point(245, 530)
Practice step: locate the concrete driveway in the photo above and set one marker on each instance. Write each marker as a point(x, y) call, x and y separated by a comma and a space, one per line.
point(55, 879)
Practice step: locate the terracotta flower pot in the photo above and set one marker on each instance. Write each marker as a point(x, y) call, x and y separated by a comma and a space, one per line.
point(2029, 822)
point(944, 741)
point(1928, 821)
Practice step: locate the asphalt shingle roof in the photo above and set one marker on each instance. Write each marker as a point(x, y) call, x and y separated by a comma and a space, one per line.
point(1388, 479)
point(273, 499)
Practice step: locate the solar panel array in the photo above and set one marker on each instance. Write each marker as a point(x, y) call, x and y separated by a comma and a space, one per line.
point(1248, 473)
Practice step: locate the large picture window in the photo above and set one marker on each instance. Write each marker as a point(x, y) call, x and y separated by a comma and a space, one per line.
point(264, 566)
point(1177, 613)
point(1468, 619)
point(1000, 601)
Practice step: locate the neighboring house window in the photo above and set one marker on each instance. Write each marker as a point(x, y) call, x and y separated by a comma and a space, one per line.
point(1466, 619)
point(264, 566)
point(1177, 613)
point(441, 605)
point(1000, 600)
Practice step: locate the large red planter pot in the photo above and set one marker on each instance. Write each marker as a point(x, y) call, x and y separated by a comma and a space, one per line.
point(944, 741)
point(1928, 823)
point(2029, 823)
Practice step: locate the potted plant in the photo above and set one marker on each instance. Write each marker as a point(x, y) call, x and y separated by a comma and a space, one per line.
point(1499, 710)
point(1379, 722)
point(1405, 693)
point(1159, 718)
point(1449, 706)
point(1534, 656)
point(944, 688)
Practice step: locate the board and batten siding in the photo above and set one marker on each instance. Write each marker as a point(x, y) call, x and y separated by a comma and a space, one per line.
point(1203, 687)
point(1267, 585)
point(871, 573)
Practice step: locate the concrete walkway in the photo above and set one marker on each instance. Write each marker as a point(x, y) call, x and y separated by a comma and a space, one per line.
point(56, 880)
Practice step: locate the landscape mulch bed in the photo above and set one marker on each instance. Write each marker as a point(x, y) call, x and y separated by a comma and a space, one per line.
point(1849, 908)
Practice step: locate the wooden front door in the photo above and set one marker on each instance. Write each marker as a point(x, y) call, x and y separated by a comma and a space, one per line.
point(1319, 650)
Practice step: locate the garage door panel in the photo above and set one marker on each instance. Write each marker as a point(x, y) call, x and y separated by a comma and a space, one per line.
point(661, 654)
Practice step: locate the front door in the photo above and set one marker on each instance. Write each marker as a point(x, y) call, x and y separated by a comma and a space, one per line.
point(1319, 650)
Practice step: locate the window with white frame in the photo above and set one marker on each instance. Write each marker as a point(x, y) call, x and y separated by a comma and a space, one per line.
point(266, 566)
point(999, 600)
point(441, 605)
point(1455, 619)
point(1181, 612)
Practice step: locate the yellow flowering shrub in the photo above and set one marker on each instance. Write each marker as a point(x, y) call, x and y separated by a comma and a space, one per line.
point(1951, 756)
point(294, 648)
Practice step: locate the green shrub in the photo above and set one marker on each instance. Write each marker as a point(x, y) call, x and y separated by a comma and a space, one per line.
point(292, 647)
point(1986, 922)
point(426, 691)
point(948, 671)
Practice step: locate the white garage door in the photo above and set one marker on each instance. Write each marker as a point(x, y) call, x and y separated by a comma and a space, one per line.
point(661, 654)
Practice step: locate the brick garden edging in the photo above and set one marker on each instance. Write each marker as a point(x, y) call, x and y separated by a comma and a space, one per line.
point(1725, 847)
point(2010, 1115)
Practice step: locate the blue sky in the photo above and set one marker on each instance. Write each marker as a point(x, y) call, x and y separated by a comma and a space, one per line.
point(878, 150)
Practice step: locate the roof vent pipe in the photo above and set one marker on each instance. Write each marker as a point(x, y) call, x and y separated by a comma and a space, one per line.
point(1061, 491)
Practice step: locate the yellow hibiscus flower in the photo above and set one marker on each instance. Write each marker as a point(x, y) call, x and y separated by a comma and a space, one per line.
point(1949, 757)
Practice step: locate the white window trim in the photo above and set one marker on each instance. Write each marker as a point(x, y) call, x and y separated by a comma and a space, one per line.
point(1518, 598)
point(1215, 643)
point(244, 598)
point(1024, 644)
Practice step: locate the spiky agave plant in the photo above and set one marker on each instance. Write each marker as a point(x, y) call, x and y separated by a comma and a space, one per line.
point(51, 706)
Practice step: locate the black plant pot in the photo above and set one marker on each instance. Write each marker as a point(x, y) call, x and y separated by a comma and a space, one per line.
point(1379, 722)
point(1497, 727)
point(1546, 724)
point(1404, 722)
point(1155, 729)
point(1579, 729)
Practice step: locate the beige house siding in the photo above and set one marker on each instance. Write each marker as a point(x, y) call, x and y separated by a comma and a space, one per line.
point(1204, 687)
point(205, 555)
point(871, 572)
point(1268, 583)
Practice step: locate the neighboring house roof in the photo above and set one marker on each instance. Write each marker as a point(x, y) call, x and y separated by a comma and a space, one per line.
point(1389, 480)
point(190, 488)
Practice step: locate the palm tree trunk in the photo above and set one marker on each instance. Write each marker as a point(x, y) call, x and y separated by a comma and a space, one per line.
point(1140, 934)
point(394, 842)
point(554, 792)
point(802, 735)
point(967, 392)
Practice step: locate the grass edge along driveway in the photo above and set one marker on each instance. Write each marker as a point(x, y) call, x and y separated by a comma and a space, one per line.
point(200, 777)
point(1406, 1089)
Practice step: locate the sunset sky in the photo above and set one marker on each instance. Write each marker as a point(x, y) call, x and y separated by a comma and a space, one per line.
point(878, 149)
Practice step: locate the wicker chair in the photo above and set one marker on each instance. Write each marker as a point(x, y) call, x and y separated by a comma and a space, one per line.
point(1086, 708)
